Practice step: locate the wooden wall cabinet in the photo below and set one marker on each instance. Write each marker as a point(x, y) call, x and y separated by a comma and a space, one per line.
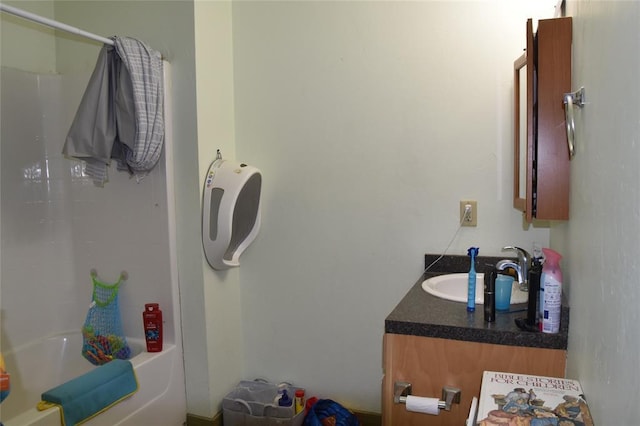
point(541, 154)
point(430, 363)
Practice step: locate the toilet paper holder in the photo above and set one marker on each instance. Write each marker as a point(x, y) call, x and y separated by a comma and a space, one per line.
point(450, 395)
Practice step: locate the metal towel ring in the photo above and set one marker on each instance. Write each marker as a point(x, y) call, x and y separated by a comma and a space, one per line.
point(570, 99)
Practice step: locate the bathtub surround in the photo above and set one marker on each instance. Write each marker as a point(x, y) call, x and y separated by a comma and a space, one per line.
point(50, 200)
point(41, 298)
point(213, 313)
point(56, 227)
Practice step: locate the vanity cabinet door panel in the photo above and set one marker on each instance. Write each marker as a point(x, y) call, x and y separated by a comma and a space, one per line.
point(431, 363)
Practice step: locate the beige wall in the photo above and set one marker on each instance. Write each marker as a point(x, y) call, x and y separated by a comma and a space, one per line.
point(214, 68)
point(28, 46)
point(600, 242)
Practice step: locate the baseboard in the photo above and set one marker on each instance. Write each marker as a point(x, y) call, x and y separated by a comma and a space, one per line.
point(366, 419)
point(193, 420)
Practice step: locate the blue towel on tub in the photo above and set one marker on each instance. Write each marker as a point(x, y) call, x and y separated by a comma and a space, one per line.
point(86, 396)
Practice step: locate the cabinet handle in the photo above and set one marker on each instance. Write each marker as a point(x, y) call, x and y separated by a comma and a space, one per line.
point(570, 99)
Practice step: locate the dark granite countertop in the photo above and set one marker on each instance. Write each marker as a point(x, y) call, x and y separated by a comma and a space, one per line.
point(421, 314)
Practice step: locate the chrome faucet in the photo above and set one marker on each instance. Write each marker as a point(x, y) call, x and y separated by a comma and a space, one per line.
point(521, 267)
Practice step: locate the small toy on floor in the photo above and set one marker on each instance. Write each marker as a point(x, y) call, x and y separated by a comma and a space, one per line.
point(5, 383)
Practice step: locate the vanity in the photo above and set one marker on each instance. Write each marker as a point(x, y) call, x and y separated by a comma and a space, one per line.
point(431, 343)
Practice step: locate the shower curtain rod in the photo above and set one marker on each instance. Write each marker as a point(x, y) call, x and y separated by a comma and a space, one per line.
point(51, 23)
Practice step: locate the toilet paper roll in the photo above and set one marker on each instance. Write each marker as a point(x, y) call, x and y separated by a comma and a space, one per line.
point(419, 404)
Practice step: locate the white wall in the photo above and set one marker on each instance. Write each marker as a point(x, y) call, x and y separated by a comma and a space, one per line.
point(370, 121)
point(600, 242)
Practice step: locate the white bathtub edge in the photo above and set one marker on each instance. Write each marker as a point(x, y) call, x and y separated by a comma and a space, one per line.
point(156, 402)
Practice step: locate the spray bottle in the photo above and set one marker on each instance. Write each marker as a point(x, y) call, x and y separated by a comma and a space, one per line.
point(550, 292)
point(471, 288)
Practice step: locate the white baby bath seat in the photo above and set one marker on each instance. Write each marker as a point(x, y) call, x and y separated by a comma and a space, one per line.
point(230, 211)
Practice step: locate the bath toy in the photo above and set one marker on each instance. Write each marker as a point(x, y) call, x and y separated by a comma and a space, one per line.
point(102, 332)
point(100, 349)
point(5, 384)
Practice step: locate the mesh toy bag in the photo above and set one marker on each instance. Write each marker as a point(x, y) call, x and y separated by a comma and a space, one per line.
point(102, 334)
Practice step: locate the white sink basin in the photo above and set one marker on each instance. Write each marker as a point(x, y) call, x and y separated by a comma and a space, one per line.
point(454, 287)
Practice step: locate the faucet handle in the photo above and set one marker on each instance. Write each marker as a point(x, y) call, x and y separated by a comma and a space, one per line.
point(523, 256)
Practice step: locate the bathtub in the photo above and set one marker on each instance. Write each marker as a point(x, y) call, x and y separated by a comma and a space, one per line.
point(44, 364)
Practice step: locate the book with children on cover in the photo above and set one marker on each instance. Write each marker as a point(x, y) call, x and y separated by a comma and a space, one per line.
point(527, 400)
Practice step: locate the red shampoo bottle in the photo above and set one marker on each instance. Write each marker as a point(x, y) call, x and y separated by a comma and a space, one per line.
point(152, 320)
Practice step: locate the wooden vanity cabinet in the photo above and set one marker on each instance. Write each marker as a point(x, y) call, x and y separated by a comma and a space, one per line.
point(543, 158)
point(431, 363)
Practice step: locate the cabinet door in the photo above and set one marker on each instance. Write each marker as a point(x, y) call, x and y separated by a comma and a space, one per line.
point(553, 81)
point(544, 159)
point(523, 126)
point(532, 93)
point(431, 363)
